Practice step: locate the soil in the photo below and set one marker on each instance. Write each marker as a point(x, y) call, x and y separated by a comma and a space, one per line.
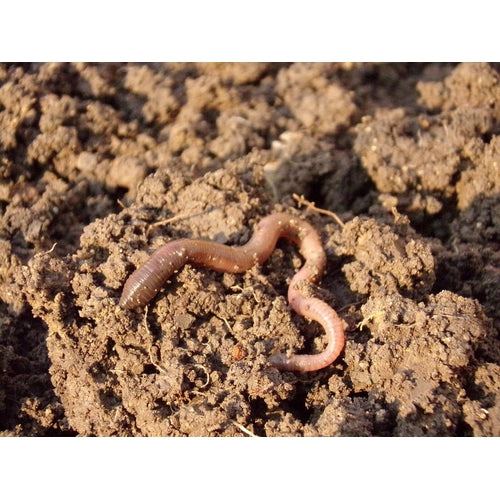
point(102, 163)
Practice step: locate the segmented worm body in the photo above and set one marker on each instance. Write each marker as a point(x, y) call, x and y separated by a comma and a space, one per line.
point(145, 282)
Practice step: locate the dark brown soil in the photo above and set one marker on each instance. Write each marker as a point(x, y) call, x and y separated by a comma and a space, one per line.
point(94, 160)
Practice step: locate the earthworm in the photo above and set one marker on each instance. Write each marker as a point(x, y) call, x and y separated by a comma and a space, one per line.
point(144, 283)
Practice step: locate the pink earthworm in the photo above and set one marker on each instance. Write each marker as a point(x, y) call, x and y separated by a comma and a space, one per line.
point(144, 283)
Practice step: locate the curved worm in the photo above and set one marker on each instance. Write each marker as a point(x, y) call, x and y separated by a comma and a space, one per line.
point(143, 284)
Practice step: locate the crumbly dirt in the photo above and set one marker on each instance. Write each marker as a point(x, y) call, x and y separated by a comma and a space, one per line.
point(102, 163)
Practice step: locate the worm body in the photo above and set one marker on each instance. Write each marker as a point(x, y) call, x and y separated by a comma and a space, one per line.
point(145, 282)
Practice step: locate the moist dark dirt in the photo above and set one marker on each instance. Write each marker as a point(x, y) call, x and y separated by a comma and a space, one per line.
point(102, 163)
